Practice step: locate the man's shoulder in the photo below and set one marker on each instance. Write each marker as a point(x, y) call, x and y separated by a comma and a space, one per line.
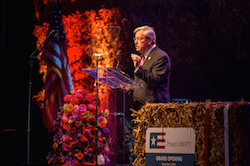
point(157, 52)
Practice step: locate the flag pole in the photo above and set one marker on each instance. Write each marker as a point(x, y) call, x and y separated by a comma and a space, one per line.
point(33, 55)
point(29, 111)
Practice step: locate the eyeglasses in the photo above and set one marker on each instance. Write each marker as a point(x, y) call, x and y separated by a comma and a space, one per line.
point(139, 38)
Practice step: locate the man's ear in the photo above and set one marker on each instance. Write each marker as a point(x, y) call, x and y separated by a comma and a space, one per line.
point(150, 41)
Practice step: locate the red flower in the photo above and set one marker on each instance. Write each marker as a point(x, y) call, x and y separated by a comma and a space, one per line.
point(92, 121)
point(86, 133)
point(91, 97)
point(67, 98)
point(79, 96)
point(83, 113)
point(90, 150)
point(80, 130)
point(83, 139)
point(74, 101)
point(84, 120)
point(101, 139)
point(102, 124)
point(77, 162)
point(92, 143)
point(80, 156)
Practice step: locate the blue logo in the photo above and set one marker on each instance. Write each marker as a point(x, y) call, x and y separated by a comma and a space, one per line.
point(153, 140)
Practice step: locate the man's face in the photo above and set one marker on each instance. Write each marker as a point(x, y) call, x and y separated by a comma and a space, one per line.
point(141, 43)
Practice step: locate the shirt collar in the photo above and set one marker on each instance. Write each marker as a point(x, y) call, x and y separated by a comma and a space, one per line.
point(148, 52)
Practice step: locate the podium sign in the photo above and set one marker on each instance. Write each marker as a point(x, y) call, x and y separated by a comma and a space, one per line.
point(170, 146)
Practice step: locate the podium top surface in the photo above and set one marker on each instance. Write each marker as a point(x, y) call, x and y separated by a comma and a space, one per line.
point(112, 78)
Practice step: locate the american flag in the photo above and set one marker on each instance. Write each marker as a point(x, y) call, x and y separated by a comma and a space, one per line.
point(157, 140)
point(58, 80)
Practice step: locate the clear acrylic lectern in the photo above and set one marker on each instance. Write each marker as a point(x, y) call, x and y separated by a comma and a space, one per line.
point(102, 44)
point(115, 80)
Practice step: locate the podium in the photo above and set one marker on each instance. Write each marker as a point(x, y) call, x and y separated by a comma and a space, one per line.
point(115, 80)
point(102, 45)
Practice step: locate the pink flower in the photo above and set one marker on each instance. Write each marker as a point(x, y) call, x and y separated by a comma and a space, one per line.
point(65, 117)
point(75, 141)
point(82, 107)
point(107, 112)
point(100, 144)
point(79, 91)
point(70, 162)
point(100, 119)
point(99, 134)
point(91, 106)
point(67, 98)
point(76, 107)
point(106, 150)
point(74, 112)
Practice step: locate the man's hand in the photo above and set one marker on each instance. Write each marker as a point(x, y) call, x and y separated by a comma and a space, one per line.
point(136, 60)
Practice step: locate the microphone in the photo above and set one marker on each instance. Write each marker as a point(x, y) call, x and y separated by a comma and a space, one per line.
point(118, 52)
point(118, 62)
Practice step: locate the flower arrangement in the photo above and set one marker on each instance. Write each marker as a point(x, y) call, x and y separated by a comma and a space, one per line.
point(74, 140)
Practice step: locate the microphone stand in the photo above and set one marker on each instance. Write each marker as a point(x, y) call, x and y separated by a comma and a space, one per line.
point(97, 98)
point(34, 55)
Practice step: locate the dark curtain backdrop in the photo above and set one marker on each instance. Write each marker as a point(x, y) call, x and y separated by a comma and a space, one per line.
point(207, 41)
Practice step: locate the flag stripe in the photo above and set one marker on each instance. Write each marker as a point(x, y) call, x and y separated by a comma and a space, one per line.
point(160, 133)
point(160, 147)
point(160, 140)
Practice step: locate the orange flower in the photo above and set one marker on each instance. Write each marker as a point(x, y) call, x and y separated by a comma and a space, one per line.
point(55, 145)
point(80, 156)
point(71, 105)
point(102, 124)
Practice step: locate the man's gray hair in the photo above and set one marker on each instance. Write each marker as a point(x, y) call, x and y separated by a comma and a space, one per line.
point(148, 32)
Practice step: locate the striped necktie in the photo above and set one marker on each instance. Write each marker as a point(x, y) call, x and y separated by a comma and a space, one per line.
point(142, 60)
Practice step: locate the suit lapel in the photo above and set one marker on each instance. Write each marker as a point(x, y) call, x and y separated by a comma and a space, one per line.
point(150, 56)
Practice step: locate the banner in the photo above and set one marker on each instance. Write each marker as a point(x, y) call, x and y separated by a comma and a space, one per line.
point(170, 146)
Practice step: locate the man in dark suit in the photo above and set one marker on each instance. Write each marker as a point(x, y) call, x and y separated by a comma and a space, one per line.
point(152, 69)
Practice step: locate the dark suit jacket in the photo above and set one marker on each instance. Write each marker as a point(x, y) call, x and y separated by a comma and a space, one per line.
point(154, 76)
